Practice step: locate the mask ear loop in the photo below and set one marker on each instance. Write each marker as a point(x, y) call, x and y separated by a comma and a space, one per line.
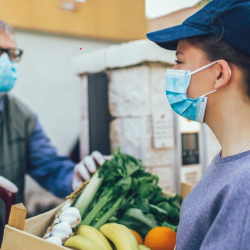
point(209, 92)
point(230, 72)
point(204, 67)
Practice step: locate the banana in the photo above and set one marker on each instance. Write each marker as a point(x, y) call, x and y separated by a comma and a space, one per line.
point(120, 235)
point(79, 242)
point(94, 235)
point(142, 247)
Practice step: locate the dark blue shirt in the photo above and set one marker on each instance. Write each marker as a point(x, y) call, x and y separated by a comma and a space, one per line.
point(52, 171)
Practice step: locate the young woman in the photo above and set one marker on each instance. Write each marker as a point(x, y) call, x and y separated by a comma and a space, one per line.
point(211, 83)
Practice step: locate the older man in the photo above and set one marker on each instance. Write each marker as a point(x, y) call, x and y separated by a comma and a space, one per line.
point(24, 147)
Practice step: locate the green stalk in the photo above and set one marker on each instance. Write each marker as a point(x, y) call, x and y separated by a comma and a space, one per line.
point(109, 213)
point(125, 184)
point(97, 208)
point(88, 194)
point(118, 189)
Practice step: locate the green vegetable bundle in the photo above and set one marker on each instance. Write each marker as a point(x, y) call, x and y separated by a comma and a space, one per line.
point(122, 192)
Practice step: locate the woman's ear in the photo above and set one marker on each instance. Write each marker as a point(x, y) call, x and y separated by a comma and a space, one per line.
point(223, 73)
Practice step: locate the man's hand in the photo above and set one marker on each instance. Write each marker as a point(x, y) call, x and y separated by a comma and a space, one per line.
point(87, 166)
point(8, 185)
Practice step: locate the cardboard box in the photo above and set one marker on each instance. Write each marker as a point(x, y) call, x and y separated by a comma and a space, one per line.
point(21, 234)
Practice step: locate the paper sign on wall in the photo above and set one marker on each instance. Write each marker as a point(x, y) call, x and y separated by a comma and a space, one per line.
point(163, 129)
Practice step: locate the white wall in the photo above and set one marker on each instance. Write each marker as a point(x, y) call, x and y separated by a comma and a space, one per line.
point(47, 83)
point(157, 8)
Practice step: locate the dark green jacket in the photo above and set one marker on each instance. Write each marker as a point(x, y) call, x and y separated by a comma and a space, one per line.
point(17, 123)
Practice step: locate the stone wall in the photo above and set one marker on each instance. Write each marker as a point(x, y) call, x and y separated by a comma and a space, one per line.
point(136, 93)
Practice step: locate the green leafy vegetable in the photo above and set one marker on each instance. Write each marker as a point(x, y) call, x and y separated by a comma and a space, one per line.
point(122, 192)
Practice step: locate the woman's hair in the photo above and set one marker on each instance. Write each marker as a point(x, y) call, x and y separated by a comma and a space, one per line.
point(215, 48)
point(4, 27)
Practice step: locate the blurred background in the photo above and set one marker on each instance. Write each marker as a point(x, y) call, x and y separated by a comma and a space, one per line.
point(86, 58)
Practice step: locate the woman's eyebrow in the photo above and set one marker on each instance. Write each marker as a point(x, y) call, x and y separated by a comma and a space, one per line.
point(178, 52)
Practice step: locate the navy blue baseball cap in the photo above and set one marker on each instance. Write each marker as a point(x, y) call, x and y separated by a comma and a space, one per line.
point(228, 19)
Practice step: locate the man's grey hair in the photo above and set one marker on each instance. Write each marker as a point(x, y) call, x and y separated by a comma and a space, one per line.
point(4, 27)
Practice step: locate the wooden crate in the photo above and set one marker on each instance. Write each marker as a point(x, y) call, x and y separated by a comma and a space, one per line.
point(21, 234)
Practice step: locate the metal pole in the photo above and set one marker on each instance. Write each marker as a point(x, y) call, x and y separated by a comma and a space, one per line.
point(177, 154)
point(204, 148)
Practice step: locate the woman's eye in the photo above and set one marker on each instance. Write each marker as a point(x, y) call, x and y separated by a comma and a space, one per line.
point(178, 62)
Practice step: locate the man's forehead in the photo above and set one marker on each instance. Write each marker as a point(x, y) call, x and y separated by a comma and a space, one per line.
point(7, 41)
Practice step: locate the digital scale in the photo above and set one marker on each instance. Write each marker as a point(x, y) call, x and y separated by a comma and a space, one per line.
point(190, 157)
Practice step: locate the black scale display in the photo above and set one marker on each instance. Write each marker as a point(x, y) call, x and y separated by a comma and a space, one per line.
point(190, 149)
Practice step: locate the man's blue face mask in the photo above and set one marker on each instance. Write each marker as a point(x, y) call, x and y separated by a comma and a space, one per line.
point(8, 73)
point(177, 83)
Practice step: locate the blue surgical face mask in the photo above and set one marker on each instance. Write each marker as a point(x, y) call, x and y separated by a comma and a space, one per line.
point(8, 73)
point(177, 83)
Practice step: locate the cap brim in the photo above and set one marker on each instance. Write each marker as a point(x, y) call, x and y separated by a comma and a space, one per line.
point(168, 38)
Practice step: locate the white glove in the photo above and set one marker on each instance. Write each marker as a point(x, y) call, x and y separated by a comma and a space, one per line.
point(8, 185)
point(87, 166)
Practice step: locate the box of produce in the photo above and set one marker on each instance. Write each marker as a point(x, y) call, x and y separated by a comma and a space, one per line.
point(121, 207)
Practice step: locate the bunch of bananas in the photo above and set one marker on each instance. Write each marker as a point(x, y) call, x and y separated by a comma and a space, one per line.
point(89, 238)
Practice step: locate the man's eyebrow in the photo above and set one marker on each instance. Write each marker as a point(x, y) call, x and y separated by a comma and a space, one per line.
point(178, 52)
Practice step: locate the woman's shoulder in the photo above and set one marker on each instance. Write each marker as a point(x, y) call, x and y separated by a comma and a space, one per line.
point(240, 180)
point(243, 167)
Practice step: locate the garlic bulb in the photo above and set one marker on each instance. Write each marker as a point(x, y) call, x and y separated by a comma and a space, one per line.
point(67, 205)
point(47, 235)
point(62, 230)
point(57, 220)
point(55, 240)
point(71, 215)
